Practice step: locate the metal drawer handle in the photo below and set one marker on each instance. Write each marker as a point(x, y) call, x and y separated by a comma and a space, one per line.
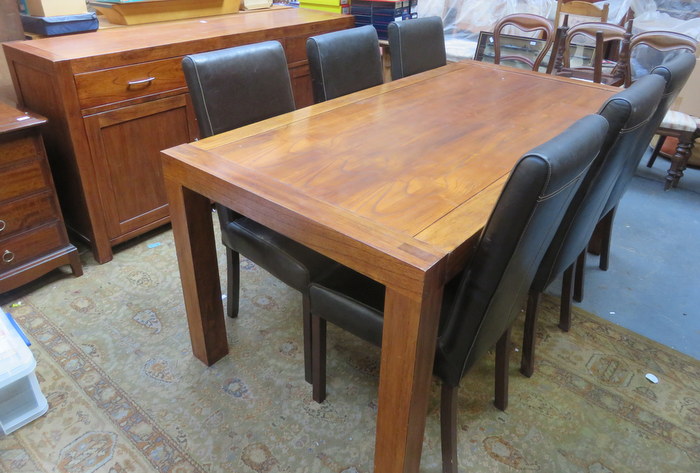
point(2, 225)
point(146, 81)
point(8, 256)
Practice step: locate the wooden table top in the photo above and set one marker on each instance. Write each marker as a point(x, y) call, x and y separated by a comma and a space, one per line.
point(405, 170)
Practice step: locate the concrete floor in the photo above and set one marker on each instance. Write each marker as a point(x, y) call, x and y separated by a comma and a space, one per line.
point(652, 285)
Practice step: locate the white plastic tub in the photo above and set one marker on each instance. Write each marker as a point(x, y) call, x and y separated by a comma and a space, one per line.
point(21, 400)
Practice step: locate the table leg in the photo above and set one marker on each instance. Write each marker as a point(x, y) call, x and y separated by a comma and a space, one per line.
point(408, 351)
point(191, 218)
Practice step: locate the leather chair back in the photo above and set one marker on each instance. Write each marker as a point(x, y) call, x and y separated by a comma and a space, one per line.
point(628, 113)
point(417, 45)
point(676, 71)
point(495, 283)
point(344, 61)
point(238, 86)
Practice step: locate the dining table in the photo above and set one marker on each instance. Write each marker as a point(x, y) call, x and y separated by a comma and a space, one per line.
point(395, 181)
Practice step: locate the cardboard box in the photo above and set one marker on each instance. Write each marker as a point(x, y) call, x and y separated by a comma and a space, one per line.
point(56, 7)
point(688, 100)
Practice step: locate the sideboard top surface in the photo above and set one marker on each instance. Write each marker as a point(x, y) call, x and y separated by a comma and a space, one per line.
point(167, 39)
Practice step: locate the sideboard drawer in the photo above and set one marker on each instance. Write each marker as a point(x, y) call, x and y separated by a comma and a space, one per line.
point(16, 149)
point(21, 180)
point(26, 246)
point(27, 213)
point(123, 83)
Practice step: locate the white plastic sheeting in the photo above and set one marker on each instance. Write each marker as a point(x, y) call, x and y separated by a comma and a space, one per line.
point(464, 19)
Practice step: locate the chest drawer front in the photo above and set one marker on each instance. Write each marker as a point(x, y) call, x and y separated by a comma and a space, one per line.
point(24, 214)
point(123, 83)
point(26, 246)
point(17, 147)
point(21, 180)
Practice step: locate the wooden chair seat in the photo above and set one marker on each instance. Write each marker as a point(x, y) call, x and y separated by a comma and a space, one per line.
point(679, 121)
point(686, 129)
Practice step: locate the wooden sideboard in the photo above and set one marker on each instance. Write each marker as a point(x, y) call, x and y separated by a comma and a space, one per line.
point(33, 238)
point(116, 97)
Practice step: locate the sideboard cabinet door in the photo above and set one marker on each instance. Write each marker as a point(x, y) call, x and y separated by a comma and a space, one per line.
point(125, 145)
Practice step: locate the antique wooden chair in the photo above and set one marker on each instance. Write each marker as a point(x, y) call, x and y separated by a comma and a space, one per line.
point(417, 45)
point(344, 61)
point(580, 12)
point(524, 22)
point(681, 126)
point(604, 37)
point(231, 88)
point(479, 305)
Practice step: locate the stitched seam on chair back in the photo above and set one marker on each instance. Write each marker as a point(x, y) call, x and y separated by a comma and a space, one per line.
point(637, 126)
point(320, 67)
point(565, 186)
point(204, 99)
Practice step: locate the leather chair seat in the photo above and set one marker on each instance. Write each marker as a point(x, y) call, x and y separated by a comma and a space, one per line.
point(351, 300)
point(292, 263)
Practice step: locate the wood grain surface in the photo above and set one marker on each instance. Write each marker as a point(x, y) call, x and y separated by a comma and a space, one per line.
point(395, 181)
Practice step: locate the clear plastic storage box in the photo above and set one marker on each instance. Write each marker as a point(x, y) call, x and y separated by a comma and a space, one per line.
point(21, 400)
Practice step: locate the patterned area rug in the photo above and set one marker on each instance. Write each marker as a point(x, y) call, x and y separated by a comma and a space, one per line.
point(126, 395)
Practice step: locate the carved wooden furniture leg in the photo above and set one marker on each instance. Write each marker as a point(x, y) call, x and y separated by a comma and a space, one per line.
point(678, 160)
point(682, 154)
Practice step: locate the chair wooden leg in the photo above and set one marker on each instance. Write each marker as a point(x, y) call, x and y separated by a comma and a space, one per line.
point(233, 282)
point(318, 350)
point(679, 159)
point(448, 428)
point(657, 150)
point(527, 361)
point(566, 290)
point(579, 276)
point(606, 224)
point(308, 342)
point(502, 361)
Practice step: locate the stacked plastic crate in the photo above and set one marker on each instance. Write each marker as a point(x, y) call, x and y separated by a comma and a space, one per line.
point(335, 6)
point(379, 13)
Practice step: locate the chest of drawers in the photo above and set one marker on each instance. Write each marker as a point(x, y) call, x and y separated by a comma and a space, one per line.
point(33, 238)
point(116, 97)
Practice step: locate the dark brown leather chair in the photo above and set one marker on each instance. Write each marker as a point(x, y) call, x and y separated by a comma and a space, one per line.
point(416, 46)
point(524, 22)
point(479, 305)
point(343, 62)
point(628, 113)
point(231, 88)
point(676, 70)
